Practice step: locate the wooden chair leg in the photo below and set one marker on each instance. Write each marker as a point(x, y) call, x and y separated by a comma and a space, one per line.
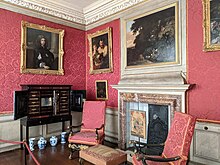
point(72, 148)
point(81, 161)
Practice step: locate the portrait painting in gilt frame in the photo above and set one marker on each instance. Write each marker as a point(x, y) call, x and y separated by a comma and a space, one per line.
point(211, 24)
point(138, 123)
point(101, 87)
point(152, 38)
point(41, 49)
point(100, 51)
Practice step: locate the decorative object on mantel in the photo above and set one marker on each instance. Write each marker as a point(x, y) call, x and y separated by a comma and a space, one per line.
point(211, 25)
point(41, 143)
point(53, 141)
point(153, 44)
point(100, 47)
point(62, 135)
point(31, 144)
point(101, 89)
point(41, 50)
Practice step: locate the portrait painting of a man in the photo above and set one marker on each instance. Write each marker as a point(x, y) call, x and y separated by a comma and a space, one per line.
point(43, 50)
point(43, 56)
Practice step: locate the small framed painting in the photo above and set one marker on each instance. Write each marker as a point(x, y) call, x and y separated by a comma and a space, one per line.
point(101, 89)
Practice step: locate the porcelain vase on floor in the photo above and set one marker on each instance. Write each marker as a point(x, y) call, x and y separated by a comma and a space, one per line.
point(53, 141)
point(63, 140)
point(41, 143)
point(31, 144)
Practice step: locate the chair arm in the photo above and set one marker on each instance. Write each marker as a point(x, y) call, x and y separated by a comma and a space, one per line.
point(143, 158)
point(145, 144)
point(73, 126)
point(139, 145)
point(96, 131)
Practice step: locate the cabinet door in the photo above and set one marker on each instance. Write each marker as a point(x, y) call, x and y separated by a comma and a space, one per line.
point(76, 100)
point(64, 101)
point(20, 103)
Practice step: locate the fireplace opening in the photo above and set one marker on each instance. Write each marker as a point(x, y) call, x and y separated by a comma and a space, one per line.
point(148, 123)
point(157, 127)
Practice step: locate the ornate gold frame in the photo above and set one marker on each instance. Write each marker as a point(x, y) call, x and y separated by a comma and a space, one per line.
point(23, 68)
point(92, 36)
point(106, 89)
point(177, 56)
point(206, 28)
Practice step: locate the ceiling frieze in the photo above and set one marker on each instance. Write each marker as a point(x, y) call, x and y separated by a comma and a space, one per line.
point(75, 17)
point(89, 15)
point(110, 9)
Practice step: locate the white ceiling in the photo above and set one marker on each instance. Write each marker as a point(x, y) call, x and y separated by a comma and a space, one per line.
point(78, 5)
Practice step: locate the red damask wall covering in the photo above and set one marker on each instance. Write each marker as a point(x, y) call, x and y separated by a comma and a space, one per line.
point(203, 69)
point(112, 78)
point(10, 41)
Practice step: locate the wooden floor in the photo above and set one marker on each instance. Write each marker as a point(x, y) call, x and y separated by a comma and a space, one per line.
point(49, 156)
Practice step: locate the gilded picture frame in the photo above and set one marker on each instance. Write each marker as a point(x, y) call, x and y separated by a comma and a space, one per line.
point(100, 51)
point(211, 25)
point(41, 49)
point(138, 123)
point(101, 87)
point(152, 38)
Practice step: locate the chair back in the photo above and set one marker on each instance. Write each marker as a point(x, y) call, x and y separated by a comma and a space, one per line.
point(93, 114)
point(179, 137)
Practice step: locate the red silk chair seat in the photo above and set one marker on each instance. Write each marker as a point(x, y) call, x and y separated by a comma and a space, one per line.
point(178, 140)
point(86, 137)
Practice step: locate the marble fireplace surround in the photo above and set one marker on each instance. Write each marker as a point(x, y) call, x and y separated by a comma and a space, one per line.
point(172, 95)
point(173, 101)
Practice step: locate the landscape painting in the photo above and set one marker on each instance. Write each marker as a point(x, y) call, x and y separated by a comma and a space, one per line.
point(151, 39)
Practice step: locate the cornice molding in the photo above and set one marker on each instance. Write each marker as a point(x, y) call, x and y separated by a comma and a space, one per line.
point(40, 15)
point(87, 16)
point(108, 9)
point(75, 17)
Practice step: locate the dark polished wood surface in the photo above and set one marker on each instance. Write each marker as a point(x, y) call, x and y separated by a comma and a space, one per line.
point(49, 156)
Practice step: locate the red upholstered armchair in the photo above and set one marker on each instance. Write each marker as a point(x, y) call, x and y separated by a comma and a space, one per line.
point(92, 127)
point(177, 144)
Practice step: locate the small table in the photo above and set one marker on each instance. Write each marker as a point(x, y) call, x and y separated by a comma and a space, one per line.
point(103, 155)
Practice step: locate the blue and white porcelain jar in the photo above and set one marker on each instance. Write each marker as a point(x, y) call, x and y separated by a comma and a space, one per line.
point(41, 143)
point(53, 141)
point(63, 140)
point(31, 144)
